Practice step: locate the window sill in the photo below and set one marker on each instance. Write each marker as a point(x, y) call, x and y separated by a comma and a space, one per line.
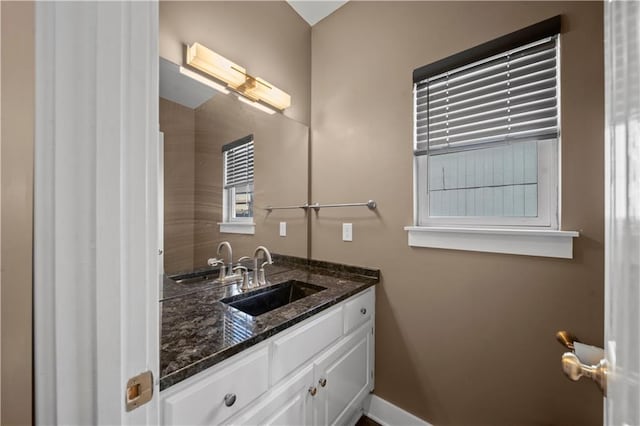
point(238, 228)
point(527, 242)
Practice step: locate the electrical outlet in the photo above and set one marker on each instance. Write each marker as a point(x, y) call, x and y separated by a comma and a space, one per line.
point(283, 229)
point(347, 232)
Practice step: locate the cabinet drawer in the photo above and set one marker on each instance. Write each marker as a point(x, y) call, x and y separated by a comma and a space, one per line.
point(203, 402)
point(300, 345)
point(358, 310)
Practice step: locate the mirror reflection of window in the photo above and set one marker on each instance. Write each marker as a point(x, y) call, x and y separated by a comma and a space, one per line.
point(238, 180)
point(243, 202)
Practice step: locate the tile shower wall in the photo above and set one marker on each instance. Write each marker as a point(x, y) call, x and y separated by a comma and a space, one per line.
point(178, 125)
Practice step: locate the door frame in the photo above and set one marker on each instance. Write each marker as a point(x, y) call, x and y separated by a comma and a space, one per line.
point(622, 211)
point(96, 263)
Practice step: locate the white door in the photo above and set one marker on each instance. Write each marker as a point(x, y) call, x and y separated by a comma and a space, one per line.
point(96, 270)
point(622, 214)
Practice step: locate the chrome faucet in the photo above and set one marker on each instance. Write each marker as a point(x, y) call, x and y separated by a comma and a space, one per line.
point(228, 246)
point(223, 277)
point(258, 274)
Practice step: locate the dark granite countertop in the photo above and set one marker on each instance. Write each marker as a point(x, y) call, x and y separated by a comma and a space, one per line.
point(198, 331)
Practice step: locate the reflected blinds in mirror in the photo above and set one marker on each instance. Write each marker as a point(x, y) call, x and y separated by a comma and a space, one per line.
point(238, 162)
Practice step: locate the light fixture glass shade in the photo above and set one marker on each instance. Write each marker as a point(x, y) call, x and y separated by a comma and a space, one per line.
point(215, 65)
point(268, 93)
point(256, 105)
point(194, 75)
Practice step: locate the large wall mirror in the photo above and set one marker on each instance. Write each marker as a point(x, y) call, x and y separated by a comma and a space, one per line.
point(205, 129)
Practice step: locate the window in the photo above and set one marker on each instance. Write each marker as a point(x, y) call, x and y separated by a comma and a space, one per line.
point(486, 140)
point(486, 135)
point(238, 185)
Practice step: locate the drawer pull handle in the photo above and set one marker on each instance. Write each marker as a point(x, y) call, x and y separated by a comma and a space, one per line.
point(229, 399)
point(363, 311)
point(323, 382)
point(313, 390)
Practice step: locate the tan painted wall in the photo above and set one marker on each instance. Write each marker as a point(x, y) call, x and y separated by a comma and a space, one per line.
point(178, 125)
point(280, 172)
point(18, 116)
point(267, 38)
point(462, 338)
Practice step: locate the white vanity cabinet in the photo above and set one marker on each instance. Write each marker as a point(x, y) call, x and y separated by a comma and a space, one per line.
point(317, 372)
point(343, 376)
point(288, 404)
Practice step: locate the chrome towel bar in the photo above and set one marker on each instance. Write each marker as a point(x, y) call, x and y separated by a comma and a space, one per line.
point(316, 206)
point(303, 206)
point(370, 204)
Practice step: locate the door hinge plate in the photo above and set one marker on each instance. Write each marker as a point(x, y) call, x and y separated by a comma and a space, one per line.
point(139, 390)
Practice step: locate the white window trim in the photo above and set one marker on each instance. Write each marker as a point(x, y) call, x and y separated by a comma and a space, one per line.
point(231, 224)
point(237, 228)
point(548, 197)
point(528, 242)
point(228, 213)
point(238, 225)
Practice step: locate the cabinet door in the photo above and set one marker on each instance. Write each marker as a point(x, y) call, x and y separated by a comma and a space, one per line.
point(343, 378)
point(290, 404)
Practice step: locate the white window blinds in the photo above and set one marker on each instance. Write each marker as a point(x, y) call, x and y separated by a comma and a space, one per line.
point(238, 163)
point(512, 96)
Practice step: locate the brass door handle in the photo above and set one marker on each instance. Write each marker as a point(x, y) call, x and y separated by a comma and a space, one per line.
point(313, 390)
point(566, 339)
point(574, 369)
point(323, 382)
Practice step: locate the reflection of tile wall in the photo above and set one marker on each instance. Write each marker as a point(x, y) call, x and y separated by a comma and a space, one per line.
point(178, 125)
point(220, 120)
point(281, 169)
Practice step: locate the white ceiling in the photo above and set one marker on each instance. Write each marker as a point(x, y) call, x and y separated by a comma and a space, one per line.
point(313, 11)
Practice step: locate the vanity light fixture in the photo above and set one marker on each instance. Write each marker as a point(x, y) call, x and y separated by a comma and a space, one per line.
point(216, 65)
point(236, 77)
point(257, 89)
point(257, 105)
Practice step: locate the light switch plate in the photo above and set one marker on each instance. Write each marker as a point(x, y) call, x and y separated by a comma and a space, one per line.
point(283, 229)
point(347, 232)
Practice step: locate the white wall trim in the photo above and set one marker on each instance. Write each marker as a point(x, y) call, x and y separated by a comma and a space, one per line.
point(237, 228)
point(528, 242)
point(387, 414)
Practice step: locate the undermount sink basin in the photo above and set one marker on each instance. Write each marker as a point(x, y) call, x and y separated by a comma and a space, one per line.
point(262, 301)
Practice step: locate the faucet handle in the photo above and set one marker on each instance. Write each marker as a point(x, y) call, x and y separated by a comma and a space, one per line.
point(245, 276)
point(215, 261)
point(262, 279)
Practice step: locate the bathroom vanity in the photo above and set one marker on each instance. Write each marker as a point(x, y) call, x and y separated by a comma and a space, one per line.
point(307, 362)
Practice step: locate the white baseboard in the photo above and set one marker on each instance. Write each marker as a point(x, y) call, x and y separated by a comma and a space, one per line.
point(387, 414)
